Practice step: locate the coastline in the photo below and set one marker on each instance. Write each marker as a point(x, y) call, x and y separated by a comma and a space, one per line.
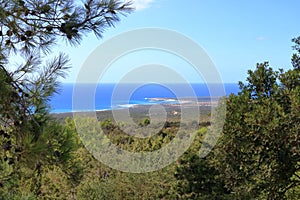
point(140, 111)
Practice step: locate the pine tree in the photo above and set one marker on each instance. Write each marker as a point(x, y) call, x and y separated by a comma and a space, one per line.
point(28, 31)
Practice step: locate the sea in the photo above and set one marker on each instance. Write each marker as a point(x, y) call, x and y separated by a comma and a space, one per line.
point(108, 96)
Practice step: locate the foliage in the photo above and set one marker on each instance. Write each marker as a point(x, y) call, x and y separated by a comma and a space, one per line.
point(51, 151)
point(197, 178)
point(258, 155)
point(145, 122)
point(100, 181)
point(35, 147)
point(28, 26)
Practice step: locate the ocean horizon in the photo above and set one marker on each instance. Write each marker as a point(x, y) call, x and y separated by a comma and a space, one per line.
point(110, 96)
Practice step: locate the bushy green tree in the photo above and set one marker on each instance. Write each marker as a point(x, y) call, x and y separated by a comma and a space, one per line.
point(258, 155)
point(197, 178)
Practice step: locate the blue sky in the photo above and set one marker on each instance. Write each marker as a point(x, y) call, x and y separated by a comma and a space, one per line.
point(236, 34)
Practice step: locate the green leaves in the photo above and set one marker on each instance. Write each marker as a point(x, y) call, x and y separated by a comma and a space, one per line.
point(257, 155)
point(262, 82)
point(49, 20)
point(28, 31)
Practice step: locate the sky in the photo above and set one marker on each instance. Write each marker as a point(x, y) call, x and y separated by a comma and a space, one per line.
point(235, 34)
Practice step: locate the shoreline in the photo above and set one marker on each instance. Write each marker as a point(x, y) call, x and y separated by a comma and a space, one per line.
point(140, 111)
point(166, 101)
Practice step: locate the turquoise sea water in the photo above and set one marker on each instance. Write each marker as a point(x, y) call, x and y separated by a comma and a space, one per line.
point(112, 96)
